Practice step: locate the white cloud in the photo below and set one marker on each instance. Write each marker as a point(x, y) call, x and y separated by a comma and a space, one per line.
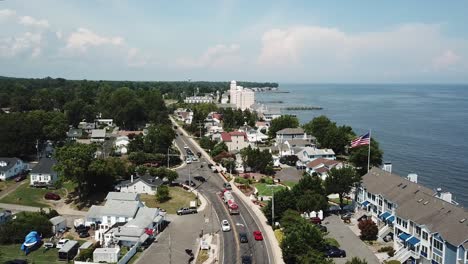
point(83, 38)
point(408, 48)
point(27, 43)
point(217, 56)
point(30, 21)
point(136, 59)
point(6, 13)
point(445, 60)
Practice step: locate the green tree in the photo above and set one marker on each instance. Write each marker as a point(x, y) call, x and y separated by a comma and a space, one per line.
point(218, 148)
point(318, 127)
point(162, 194)
point(284, 200)
point(359, 155)
point(73, 164)
point(341, 181)
point(310, 201)
point(356, 260)
point(159, 139)
point(207, 143)
point(282, 122)
point(13, 232)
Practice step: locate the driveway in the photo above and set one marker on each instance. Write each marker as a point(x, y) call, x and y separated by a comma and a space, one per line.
point(348, 241)
point(289, 174)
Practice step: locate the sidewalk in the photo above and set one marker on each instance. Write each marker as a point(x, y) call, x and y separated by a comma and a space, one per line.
point(214, 242)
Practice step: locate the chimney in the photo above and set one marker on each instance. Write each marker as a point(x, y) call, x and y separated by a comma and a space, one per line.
point(387, 167)
point(131, 178)
point(413, 177)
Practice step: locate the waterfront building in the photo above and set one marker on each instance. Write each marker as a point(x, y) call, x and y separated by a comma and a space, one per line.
point(241, 97)
point(427, 225)
point(308, 154)
point(198, 100)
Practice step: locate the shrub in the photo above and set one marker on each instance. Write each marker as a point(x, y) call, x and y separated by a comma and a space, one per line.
point(356, 260)
point(25, 222)
point(393, 262)
point(369, 230)
point(332, 242)
point(162, 194)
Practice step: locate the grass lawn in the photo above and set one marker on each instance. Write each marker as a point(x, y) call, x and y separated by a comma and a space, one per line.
point(290, 184)
point(38, 256)
point(30, 196)
point(264, 190)
point(179, 198)
point(6, 184)
point(337, 201)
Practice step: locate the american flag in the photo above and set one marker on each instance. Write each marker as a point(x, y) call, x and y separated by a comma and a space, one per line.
point(361, 141)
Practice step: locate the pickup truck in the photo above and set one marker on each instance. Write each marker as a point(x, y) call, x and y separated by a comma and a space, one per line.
point(184, 211)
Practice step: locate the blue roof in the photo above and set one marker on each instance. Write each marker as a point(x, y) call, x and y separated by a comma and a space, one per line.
point(385, 215)
point(404, 236)
point(391, 219)
point(365, 203)
point(413, 241)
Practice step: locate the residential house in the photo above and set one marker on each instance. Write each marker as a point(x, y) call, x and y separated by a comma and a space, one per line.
point(98, 135)
point(308, 154)
point(43, 174)
point(74, 134)
point(198, 100)
point(87, 127)
point(184, 115)
point(428, 227)
point(235, 140)
point(143, 184)
point(255, 136)
point(121, 144)
point(292, 133)
point(271, 114)
point(323, 166)
point(104, 122)
point(11, 167)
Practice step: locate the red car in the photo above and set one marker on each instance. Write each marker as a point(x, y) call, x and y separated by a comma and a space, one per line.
point(258, 235)
point(316, 220)
point(52, 196)
point(20, 178)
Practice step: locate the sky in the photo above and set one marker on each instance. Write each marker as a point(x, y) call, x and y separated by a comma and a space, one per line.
point(367, 41)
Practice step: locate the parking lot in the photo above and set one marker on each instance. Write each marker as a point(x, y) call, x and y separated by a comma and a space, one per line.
point(348, 241)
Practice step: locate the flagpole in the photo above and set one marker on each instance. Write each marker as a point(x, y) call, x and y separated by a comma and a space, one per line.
point(368, 154)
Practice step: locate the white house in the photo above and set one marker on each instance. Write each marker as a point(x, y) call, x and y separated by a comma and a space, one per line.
point(104, 122)
point(184, 115)
point(292, 133)
point(121, 144)
point(43, 174)
point(255, 136)
point(308, 154)
point(235, 140)
point(143, 184)
point(322, 166)
point(10, 167)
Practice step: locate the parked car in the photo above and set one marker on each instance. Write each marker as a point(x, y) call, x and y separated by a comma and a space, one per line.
point(61, 243)
point(243, 238)
point(227, 186)
point(322, 228)
point(246, 259)
point(184, 211)
point(316, 220)
point(334, 252)
point(83, 234)
point(81, 228)
point(52, 196)
point(225, 226)
point(346, 216)
point(199, 154)
point(200, 178)
point(188, 160)
point(20, 177)
point(49, 245)
point(17, 261)
point(258, 235)
point(191, 183)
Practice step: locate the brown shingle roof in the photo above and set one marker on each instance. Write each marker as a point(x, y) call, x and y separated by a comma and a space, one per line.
point(417, 203)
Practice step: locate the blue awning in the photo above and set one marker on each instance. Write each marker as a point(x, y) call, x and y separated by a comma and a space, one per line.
point(391, 219)
point(385, 215)
point(413, 241)
point(365, 203)
point(404, 236)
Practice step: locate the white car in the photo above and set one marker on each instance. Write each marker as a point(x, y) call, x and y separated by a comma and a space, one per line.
point(188, 160)
point(225, 226)
point(61, 243)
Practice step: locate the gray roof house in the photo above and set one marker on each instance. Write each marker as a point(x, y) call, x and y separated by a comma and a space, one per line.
point(98, 135)
point(122, 196)
point(142, 184)
point(10, 167)
point(43, 174)
point(74, 133)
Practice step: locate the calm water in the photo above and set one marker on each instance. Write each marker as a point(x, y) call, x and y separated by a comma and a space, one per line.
point(421, 128)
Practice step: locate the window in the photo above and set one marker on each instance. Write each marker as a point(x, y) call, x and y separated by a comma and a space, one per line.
point(438, 245)
point(389, 205)
point(436, 258)
point(418, 231)
point(424, 251)
point(369, 195)
point(404, 223)
point(398, 221)
point(380, 202)
point(373, 197)
point(424, 235)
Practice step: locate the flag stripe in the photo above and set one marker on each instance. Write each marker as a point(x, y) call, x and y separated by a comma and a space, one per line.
point(361, 141)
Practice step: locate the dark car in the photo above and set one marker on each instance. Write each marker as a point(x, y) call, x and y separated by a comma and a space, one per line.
point(200, 178)
point(334, 252)
point(20, 178)
point(227, 186)
point(322, 228)
point(81, 228)
point(84, 234)
point(52, 196)
point(17, 261)
point(243, 238)
point(199, 154)
point(246, 259)
point(191, 183)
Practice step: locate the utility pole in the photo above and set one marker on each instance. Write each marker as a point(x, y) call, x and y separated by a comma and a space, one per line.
point(168, 157)
point(272, 205)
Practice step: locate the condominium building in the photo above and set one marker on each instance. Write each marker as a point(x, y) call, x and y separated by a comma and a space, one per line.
point(241, 97)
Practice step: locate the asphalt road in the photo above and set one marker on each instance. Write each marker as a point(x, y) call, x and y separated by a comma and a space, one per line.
point(231, 249)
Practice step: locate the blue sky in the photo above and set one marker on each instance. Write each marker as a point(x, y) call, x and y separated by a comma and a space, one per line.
point(285, 41)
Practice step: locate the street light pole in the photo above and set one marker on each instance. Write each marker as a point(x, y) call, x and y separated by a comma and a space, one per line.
point(272, 206)
point(168, 157)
